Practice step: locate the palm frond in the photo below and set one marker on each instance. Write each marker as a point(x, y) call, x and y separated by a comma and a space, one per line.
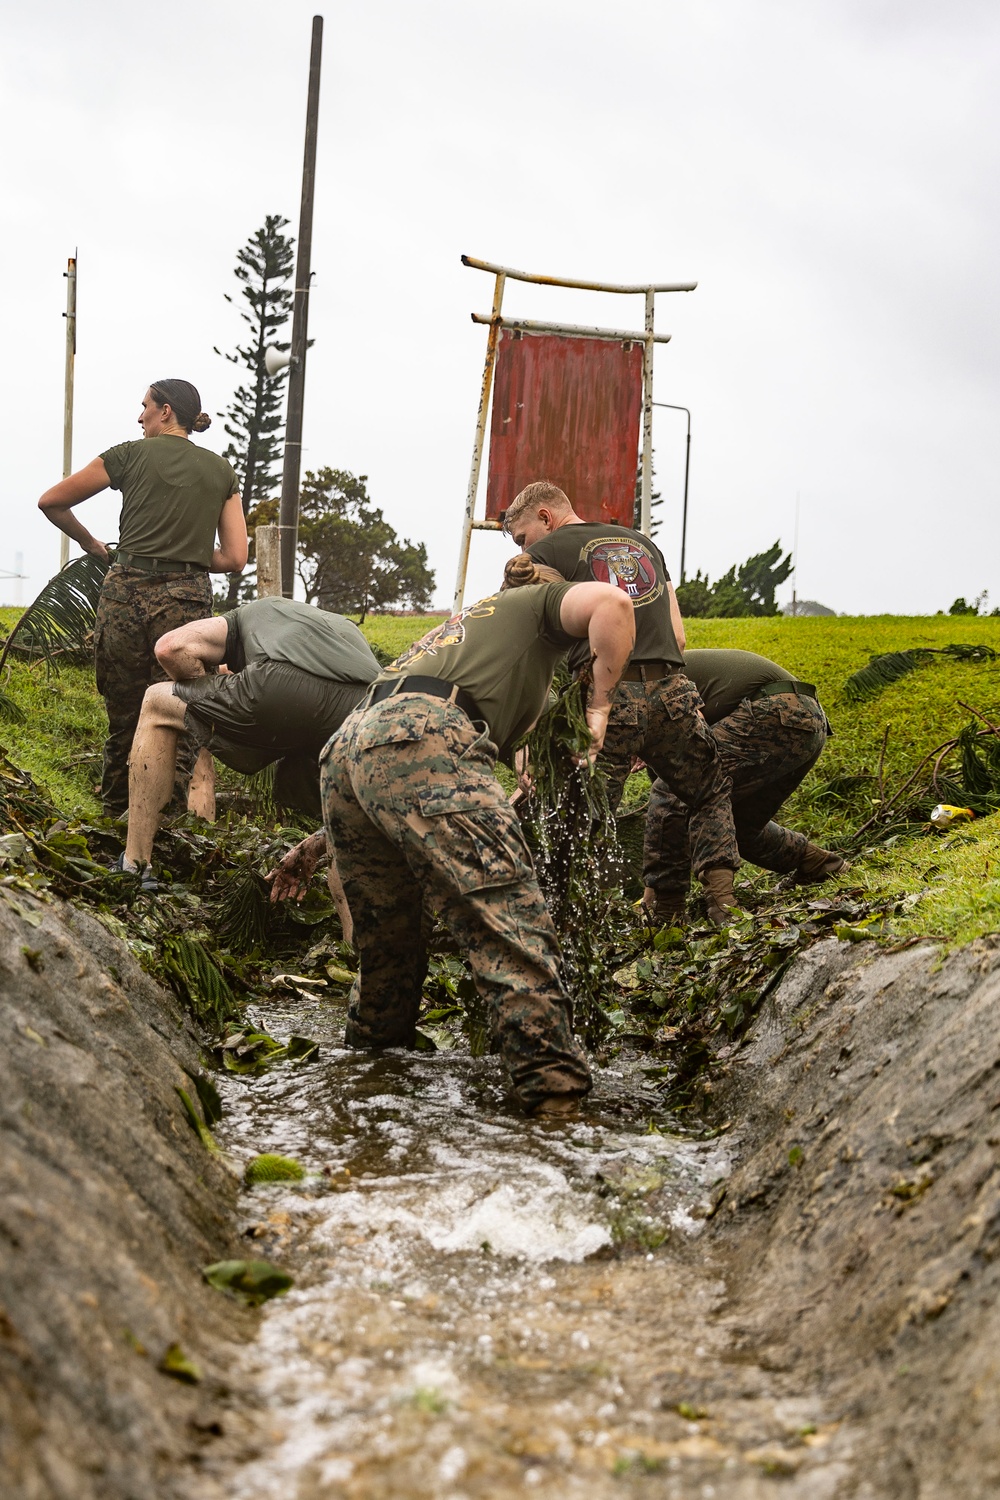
point(10, 712)
point(60, 622)
point(882, 671)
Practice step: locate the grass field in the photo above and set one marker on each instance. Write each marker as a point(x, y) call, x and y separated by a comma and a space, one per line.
point(954, 875)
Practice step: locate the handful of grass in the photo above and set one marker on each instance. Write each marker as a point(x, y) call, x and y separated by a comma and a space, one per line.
point(572, 833)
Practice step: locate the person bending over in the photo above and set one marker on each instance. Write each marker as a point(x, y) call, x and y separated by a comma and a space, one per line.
point(770, 730)
point(293, 674)
point(176, 497)
point(657, 712)
point(412, 806)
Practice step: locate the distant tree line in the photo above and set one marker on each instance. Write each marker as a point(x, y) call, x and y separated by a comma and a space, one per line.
point(977, 607)
point(747, 589)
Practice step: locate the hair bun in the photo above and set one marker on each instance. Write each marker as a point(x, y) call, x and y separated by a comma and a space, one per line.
point(201, 422)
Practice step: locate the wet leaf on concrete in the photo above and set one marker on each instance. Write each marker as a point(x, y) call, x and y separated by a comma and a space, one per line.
point(200, 1129)
point(208, 1096)
point(178, 1366)
point(252, 1281)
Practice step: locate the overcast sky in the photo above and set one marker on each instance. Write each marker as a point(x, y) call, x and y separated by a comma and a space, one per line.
point(825, 169)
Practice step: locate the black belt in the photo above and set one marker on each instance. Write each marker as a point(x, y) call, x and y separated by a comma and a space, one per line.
point(434, 687)
point(649, 671)
point(774, 689)
point(156, 564)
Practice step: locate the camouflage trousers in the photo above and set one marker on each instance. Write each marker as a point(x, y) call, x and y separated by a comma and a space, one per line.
point(661, 722)
point(412, 805)
point(766, 746)
point(134, 610)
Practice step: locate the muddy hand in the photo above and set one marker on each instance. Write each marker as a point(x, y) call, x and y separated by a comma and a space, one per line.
point(289, 880)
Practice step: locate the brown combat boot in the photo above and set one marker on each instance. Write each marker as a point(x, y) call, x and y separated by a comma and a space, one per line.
point(818, 864)
point(664, 908)
point(557, 1107)
point(719, 898)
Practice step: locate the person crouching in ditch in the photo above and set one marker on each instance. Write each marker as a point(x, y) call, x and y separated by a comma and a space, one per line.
point(657, 713)
point(770, 730)
point(292, 675)
point(411, 774)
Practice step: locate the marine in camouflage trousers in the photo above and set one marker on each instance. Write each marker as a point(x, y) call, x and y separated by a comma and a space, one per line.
point(766, 746)
point(134, 610)
point(661, 723)
point(413, 776)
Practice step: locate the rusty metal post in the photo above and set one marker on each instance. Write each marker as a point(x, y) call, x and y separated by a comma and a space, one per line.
point(477, 447)
point(70, 316)
point(289, 514)
point(646, 485)
point(267, 555)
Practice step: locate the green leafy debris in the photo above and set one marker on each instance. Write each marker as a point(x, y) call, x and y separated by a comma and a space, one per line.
point(175, 1363)
point(570, 828)
point(59, 624)
point(198, 980)
point(272, 1168)
point(200, 1129)
point(882, 671)
point(252, 1281)
point(251, 1052)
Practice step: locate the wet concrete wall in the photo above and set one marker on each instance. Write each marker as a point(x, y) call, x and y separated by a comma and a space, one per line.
point(861, 1232)
point(109, 1207)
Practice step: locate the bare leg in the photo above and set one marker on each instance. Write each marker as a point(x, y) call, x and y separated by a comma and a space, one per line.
point(340, 900)
point(151, 768)
point(201, 792)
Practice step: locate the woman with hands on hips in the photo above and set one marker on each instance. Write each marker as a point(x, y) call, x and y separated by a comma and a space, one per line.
point(181, 519)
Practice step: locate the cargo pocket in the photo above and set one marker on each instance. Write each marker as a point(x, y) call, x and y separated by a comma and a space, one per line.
point(399, 721)
point(795, 716)
point(477, 840)
point(682, 702)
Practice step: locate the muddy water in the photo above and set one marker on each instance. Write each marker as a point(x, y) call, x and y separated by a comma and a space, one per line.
point(488, 1307)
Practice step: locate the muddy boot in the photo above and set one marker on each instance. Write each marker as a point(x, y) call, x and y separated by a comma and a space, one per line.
point(663, 908)
point(818, 864)
point(557, 1107)
point(719, 899)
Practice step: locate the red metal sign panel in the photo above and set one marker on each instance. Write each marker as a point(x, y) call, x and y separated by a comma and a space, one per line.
point(568, 410)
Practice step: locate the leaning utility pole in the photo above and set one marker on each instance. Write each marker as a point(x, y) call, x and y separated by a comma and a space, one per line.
point(289, 513)
point(70, 316)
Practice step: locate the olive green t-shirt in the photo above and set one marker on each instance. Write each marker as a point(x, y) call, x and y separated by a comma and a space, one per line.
point(325, 644)
point(725, 678)
point(172, 496)
point(502, 651)
point(592, 552)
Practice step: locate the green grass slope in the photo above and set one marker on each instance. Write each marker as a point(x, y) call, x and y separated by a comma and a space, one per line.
point(876, 742)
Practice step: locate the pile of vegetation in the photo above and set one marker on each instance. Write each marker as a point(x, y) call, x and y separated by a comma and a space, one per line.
point(678, 997)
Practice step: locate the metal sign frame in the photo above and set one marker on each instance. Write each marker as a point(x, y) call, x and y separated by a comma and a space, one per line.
point(495, 320)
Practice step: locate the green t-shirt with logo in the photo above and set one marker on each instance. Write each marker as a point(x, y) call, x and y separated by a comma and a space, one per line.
point(593, 552)
point(172, 496)
point(502, 651)
point(725, 678)
point(325, 644)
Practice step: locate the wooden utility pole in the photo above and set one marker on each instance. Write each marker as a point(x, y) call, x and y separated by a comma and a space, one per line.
point(289, 514)
point(267, 552)
point(70, 316)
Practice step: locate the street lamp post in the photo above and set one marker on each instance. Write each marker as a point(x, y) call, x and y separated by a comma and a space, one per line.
point(687, 469)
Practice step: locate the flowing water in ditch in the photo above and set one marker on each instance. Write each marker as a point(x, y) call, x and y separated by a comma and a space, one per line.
point(486, 1306)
